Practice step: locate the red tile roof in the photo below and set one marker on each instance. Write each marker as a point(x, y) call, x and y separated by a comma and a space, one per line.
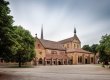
point(78, 50)
point(52, 45)
point(69, 39)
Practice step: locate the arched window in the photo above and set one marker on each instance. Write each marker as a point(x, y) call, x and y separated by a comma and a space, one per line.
point(74, 46)
point(39, 46)
point(40, 53)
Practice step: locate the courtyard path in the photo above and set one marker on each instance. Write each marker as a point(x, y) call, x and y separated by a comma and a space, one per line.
point(60, 72)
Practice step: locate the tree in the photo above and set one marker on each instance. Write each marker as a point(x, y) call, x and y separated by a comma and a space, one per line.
point(6, 29)
point(16, 43)
point(87, 47)
point(24, 45)
point(94, 50)
point(104, 48)
point(105, 41)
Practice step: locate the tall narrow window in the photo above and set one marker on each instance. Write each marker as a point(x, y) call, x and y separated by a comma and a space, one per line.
point(74, 46)
point(39, 46)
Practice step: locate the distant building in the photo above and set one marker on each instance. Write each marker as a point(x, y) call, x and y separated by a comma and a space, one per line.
point(64, 52)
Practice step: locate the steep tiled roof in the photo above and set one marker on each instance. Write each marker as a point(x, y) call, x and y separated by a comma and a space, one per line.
point(78, 50)
point(69, 39)
point(66, 40)
point(52, 44)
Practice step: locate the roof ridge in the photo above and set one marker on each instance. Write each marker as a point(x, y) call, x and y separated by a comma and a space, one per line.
point(52, 44)
point(48, 40)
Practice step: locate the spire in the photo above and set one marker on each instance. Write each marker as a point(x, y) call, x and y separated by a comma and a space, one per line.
point(75, 35)
point(74, 30)
point(42, 32)
point(36, 35)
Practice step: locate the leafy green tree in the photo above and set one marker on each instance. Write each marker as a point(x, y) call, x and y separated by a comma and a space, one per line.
point(16, 43)
point(6, 29)
point(94, 50)
point(104, 48)
point(105, 41)
point(24, 45)
point(87, 48)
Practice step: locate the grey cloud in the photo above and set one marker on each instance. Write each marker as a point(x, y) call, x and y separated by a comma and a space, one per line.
point(92, 17)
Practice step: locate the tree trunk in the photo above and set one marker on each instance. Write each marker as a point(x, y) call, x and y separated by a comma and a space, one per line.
point(19, 63)
point(94, 58)
point(19, 60)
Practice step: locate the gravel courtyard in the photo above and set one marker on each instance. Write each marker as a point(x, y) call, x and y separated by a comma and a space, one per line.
point(60, 72)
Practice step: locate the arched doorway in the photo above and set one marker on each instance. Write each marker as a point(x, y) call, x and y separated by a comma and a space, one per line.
point(92, 60)
point(86, 61)
point(59, 62)
point(70, 61)
point(40, 61)
point(79, 59)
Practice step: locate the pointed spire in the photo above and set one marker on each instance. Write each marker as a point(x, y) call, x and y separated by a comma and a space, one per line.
point(36, 35)
point(74, 30)
point(75, 35)
point(42, 32)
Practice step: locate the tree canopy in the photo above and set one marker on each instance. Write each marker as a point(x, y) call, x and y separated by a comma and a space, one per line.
point(6, 29)
point(104, 48)
point(16, 43)
point(92, 48)
point(24, 45)
point(87, 47)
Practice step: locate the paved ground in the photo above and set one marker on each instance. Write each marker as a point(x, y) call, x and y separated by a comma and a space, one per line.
point(61, 72)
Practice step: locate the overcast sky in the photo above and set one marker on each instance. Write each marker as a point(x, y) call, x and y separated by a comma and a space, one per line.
point(59, 17)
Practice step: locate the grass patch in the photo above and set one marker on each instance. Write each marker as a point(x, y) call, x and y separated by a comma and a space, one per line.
point(15, 65)
point(23, 66)
point(98, 64)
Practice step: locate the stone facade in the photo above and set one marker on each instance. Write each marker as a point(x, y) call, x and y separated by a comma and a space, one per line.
point(67, 51)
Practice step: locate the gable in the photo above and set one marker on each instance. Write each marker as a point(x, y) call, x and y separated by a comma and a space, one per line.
point(38, 44)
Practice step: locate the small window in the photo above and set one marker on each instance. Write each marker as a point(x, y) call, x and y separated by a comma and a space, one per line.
point(40, 53)
point(74, 46)
point(39, 46)
point(53, 52)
